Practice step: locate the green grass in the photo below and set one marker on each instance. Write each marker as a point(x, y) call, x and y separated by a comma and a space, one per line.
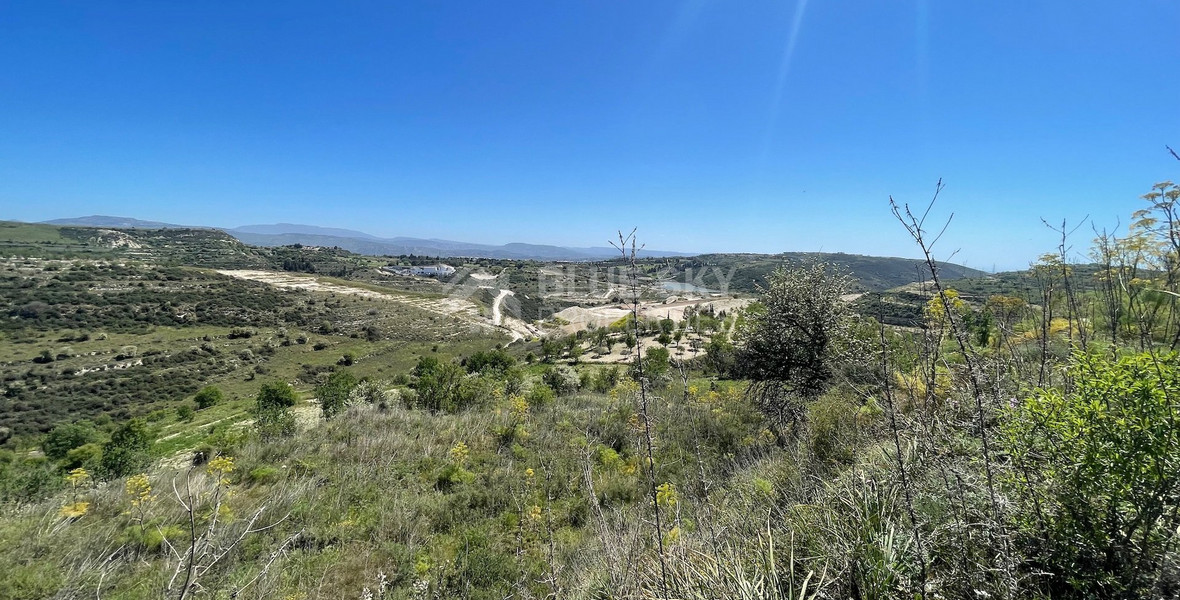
point(30, 233)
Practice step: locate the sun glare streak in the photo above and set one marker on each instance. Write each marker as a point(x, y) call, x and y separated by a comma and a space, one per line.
point(784, 69)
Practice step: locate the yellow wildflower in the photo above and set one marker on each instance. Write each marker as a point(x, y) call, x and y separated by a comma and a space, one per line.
point(139, 490)
point(74, 510)
point(78, 477)
point(666, 495)
point(459, 453)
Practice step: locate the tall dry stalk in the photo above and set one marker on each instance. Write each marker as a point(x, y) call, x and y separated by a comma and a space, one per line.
point(916, 227)
point(629, 249)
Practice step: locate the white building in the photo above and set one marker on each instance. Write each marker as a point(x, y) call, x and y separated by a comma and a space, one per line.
point(439, 270)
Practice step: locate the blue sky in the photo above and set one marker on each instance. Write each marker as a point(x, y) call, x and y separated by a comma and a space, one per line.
point(710, 126)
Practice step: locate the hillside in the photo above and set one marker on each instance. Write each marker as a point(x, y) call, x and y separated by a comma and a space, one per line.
point(360, 436)
point(745, 272)
point(286, 234)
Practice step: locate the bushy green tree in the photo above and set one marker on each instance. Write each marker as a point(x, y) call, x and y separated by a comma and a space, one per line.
point(550, 349)
point(67, 436)
point(271, 414)
point(209, 395)
point(276, 394)
point(489, 360)
point(657, 366)
point(439, 384)
point(127, 450)
point(333, 394)
point(184, 412)
point(792, 338)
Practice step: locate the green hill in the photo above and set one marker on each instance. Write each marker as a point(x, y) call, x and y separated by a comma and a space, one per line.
point(745, 272)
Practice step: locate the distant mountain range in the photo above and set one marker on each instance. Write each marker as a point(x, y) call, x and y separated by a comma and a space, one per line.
point(286, 234)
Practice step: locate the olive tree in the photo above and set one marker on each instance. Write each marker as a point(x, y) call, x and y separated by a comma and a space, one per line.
point(791, 339)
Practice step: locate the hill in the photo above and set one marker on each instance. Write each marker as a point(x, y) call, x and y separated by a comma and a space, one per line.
point(294, 228)
point(401, 246)
point(115, 222)
point(745, 272)
point(287, 234)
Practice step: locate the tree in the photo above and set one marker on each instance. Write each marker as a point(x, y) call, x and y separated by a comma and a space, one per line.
point(792, 338)
point(127, 450)
point(550, 349)
point(439, 384)
point(575, 352)
point(667, 326)
point(333, 394)
point(657, 365)
point(209, 395)
point(276, 394)
point(271, 417)
point(67, 436)
point(491, 360)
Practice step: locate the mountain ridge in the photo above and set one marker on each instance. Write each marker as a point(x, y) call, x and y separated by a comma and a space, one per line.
point(286, 234)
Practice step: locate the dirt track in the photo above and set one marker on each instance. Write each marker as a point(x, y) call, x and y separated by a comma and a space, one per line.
point(449, 306)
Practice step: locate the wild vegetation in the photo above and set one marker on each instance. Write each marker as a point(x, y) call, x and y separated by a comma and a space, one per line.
point(1010, 441)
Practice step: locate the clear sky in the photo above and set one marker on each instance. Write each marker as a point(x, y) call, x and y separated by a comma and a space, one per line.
point(711, 126)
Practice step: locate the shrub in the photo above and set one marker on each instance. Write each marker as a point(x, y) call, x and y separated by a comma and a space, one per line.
point(605, 379)
point(127, 450)
point(276, 394)
point(209, 395)
point(271, 417)
point(264, 474)
point(491, 360)
point(541, 395)
point(1104, 459)
point(334, 393)
point(184, 412)
point(835, 432)
point(63, 438)
point(88, 456)
point(561, 379)
point(439, 384)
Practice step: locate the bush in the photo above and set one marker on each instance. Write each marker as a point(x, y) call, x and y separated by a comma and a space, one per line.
point(209, 395)
point(491, 360)
point(88, 456)
point(605, 380)
point(541, 395)
point(271, 417)
point(265, 474)
point(127, 450)
point(63, 438)
point(185, 412)
point(438, 384)
point(276, 394)
point(1102, 508)
point(275, 422)
point(561, 379)
point(835, 432)
point(334, 393)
